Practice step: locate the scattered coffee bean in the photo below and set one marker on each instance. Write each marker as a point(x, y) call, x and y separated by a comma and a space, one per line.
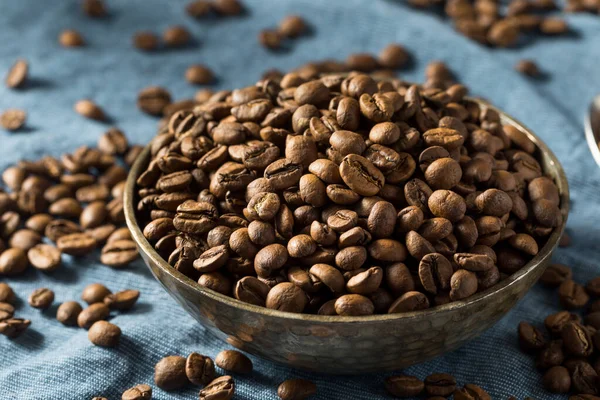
point(233, 361)
point(17, 75)
point(176, 36)
point(296, 389)
point(471, 392)
point(145, 41)
point(393, 56)
point(14, 327)
point(13, 119)
point(7, 295)
point(71, 38)
point(123, 300)
point(404, 386)
point(41, 298)
point(94, 8)
point(104, 334)
point(95, 312)
point(292, 26)
point(199, 369)
point(90, 110)
point(68, 312)
point(270, 39)
point(95, 293)
point(170, 373)
point(556, 274)
point(153, 100)
point(572, 295)
point(220, 388)
point(199, 75)
point(13, 261)
point(528, 67)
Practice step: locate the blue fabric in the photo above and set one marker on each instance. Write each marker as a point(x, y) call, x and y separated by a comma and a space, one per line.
point(54, 362)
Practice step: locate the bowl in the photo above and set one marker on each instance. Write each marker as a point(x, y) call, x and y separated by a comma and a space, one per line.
point(350, 345)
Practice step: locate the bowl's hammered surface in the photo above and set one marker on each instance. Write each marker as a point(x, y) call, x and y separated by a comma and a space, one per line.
point(349, 344)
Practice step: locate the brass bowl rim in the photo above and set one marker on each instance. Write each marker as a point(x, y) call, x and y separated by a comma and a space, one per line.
point(500, 287)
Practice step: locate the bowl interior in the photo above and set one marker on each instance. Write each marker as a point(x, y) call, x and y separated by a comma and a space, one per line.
point(550, 165)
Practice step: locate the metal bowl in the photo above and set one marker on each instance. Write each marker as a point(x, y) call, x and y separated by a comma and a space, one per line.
point(350, 344)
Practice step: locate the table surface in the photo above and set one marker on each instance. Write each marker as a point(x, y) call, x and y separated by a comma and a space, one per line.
point(54, 362)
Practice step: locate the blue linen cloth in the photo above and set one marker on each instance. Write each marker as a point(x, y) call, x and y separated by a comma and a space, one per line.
point(51, 361)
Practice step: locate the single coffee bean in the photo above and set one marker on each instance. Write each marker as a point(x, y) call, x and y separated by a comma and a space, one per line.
point(463, 284)
point(251, 290)
point(576, 339)
point(14, 327)
point(199, 369)
point(94, 293)
point(170, 373)
point(13, 261)
point(435, 272)
point(220, 388)
point(145, 41)
point(41, 298)
point(404, 386)
point(354, 305)
point(13, 119)
point(123, 300)
point(119, 253)
point(138, 392)
point(296, 389)
point(442, 385)
point(286, 297)
point(7, 311)
point(24, 239)
point(68, 312)
point(584, 378)
point(408, 302)
point(104, 334)
point(89, 109)
point(551, 356)
point(7, 295)
point(71, 38)
point(234, 361)
point(556, 322)
point(471, 392)
point(176, 36)
point(17, 75)
point(95, 312)
point(199, 75)
point(269, 39)
point(572, 295)
point(153, 100)
point(530, 338)
point(556, 274)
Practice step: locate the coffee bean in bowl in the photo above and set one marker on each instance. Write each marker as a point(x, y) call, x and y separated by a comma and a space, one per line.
point(313, 198)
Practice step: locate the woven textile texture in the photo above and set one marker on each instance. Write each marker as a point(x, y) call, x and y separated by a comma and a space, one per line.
point(51, 361)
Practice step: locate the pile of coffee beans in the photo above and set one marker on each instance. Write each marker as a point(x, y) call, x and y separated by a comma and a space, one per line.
point(490, 23)
point(567, 354)
point(10, 326)
point(291, 27)
point(344, 195)
point(75, 202)
point(435, 386)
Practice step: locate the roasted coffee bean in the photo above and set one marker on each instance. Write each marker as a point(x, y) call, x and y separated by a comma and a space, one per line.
point(442, 385)
point(95, 312)
point(119, 253)
point(354, 305)
point(199, 369)
point(14, 327)
point(104, 334)
point(286, 297)
point(89, 109)
point(572, 295)
point(138, 392)
point(17, 75)
point(7, 311)
point(576, 339)
point(530, 338)
point(365, 282)
point(292, 26)
point(409, 301)
point(24, 239)
point(170, 373)
point(94, 293)
point(556, 274)
point(584, 378)
point(270, 39)
point(463, 284)
point(41, 298)
point(296, 389)
point(153, 100)
point(551, 356)
point(556, 322)
point(233, 361)
point(68, 312)
point(220, 388)
point(471, 392)
point(404, 386)
point(435, 272)
point(13, 119)
point(251, 290)
point(123, 300)
point(71, 38)
point(13, 261)
point(76, 244)
point(7, 295)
